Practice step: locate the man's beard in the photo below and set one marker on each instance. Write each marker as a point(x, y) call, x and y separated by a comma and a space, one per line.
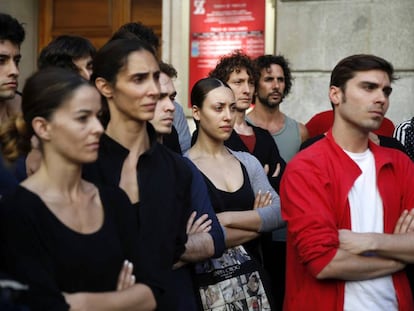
point(269, 104)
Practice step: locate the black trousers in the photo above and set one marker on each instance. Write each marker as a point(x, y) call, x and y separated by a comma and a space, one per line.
point(274, 262)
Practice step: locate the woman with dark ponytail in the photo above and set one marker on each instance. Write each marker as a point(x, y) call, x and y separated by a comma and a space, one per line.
point(73, 243)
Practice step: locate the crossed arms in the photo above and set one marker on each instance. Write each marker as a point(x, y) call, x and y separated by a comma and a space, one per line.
point(362, 256)
point(315, 206)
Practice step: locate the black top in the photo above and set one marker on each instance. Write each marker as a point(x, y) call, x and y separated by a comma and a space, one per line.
point(265, 150)
point(240, 200)
point(42, 252)
point(8, 180)
point(11, 174)
point(164, 180)
point(391, 142)
point(171, 141)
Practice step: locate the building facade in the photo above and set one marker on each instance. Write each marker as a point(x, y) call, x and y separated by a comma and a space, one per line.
point(313, 34)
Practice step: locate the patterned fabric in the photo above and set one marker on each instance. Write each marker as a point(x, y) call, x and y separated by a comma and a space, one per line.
point(405, 134)
point(232, 282)
point(409, 139)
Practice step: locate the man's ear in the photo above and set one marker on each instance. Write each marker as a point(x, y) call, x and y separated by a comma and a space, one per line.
point(196, 113)
point(42, 128)
point(335, 95)
point(104, 87)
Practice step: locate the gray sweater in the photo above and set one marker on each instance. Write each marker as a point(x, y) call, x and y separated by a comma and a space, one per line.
point(270, 215)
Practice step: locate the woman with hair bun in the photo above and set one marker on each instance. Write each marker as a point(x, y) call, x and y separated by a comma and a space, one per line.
point(73, 243)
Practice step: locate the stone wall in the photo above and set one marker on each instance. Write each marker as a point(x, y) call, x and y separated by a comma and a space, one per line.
point(315, 35)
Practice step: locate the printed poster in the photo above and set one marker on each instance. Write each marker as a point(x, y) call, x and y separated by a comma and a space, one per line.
point(218, 27)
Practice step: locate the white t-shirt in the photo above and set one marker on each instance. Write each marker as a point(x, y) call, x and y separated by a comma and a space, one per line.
point(367, 216)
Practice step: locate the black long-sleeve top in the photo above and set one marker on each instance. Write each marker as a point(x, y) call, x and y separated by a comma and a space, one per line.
point(164, 180)
point(43, 253)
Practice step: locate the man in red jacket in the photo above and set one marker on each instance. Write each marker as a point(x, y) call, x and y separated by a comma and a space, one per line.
point(347, 203)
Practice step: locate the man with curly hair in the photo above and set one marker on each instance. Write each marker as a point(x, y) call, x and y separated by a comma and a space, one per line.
point(273, 85)
point(238, 71)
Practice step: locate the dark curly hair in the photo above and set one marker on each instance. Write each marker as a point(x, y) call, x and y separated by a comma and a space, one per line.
point(231, 63)
point(265, 61)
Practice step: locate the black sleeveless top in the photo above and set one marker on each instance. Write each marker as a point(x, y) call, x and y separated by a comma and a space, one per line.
point(239, 200)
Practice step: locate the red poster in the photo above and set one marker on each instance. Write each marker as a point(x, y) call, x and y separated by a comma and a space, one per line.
point(218, 27)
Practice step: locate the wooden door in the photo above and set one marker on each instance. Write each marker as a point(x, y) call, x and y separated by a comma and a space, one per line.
point(149, 13)
point(96, 20)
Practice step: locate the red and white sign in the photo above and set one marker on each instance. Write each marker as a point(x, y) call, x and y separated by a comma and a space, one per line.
point(218, 27)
